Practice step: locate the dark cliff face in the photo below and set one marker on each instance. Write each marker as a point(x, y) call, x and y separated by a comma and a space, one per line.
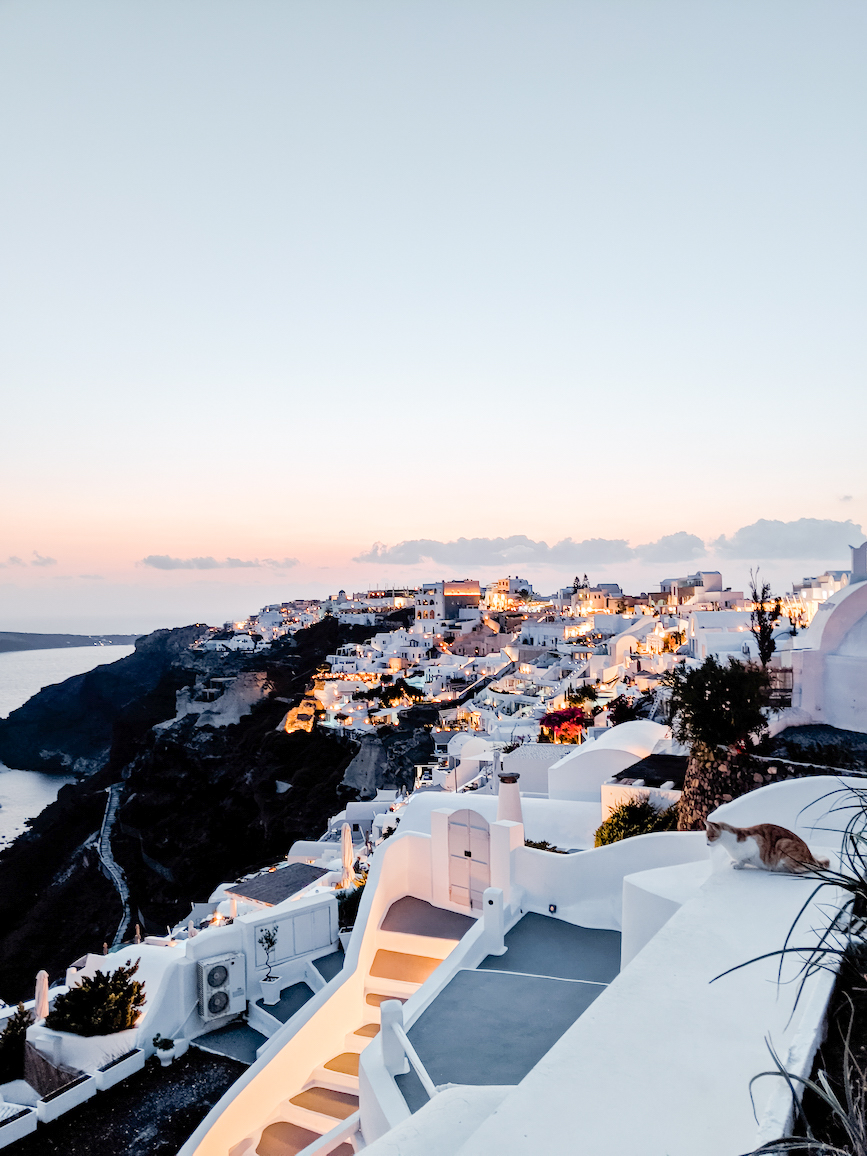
point(203, 805)
point(200, 804)
point(71, 726)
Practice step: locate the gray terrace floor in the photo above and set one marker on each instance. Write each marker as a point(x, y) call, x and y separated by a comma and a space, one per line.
point(542, 945)
point(291, 1000)
point(413, 916)
point(238, 1041)
point(492, 1025)
point(329, 965)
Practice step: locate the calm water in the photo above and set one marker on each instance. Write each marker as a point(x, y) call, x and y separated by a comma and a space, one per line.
point(23, 794)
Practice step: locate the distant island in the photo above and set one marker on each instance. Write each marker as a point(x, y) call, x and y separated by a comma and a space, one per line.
point(9, 640)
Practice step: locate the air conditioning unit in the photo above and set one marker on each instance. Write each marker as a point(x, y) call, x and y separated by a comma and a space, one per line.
point(222, 986)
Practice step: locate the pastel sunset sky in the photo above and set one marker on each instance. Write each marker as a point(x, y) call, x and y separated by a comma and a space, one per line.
point(300, 294)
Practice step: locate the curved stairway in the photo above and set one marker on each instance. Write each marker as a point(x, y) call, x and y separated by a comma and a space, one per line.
point(330, 1094)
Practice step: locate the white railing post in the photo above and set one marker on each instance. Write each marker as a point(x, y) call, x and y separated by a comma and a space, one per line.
point(494, 921)
point(393, 1051)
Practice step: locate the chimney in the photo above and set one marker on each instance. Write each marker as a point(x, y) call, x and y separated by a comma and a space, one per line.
point(859, 563)
point(509, 799)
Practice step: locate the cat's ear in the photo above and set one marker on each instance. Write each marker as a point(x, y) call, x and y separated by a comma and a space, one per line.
point(712, 829)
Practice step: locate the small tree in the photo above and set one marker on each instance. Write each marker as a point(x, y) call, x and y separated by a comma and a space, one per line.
point(101, 1004)
point(764, 614)
point(718, 705)
point(582, 694)
point(713, 707)
point(12, 1045)
point(268, 942)
point(621, 710)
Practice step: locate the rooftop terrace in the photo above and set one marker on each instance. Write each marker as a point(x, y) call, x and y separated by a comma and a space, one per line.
point(492, 1025)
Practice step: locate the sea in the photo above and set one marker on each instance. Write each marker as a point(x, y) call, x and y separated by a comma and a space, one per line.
point(23, 794)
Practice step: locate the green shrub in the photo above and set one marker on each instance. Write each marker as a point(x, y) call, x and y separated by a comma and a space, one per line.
point(100, 1005)
point(543, 845)
point(12, 1045)
point(635, 817)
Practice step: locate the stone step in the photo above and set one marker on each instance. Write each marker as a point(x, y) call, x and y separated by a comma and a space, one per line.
point(415, 944)
point(346, 1063)
point(339, 1073)
point(373, 999)
point(402, 966)
point(284, 1139)
point(328, 1103)
point(358, 1040)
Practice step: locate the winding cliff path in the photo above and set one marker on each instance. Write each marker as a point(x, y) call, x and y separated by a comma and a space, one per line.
point(109, 864)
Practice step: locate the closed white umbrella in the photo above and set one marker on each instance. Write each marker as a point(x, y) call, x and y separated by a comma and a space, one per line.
point(41, 1006)
point(347, 856)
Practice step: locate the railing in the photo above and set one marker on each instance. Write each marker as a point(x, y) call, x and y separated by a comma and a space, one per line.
point(396, 1046)
point(413, 1057)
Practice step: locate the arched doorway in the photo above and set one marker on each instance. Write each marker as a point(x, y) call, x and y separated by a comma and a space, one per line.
point(469, 858)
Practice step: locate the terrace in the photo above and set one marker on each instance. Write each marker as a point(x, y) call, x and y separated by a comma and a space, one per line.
point(492, 1025)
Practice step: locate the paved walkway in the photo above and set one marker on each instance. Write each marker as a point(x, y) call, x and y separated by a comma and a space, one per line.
point(109, 863)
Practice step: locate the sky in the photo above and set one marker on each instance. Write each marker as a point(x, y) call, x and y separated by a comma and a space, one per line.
point(306, 294)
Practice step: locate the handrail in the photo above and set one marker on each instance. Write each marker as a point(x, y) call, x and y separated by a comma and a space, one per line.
point(413, 1057)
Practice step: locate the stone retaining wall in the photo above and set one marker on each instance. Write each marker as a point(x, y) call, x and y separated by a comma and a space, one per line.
point(717, 777)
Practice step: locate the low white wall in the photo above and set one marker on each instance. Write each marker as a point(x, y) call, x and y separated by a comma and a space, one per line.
point(587, 888)
point(580, 776)
point(650, 898)
point(531, 761)
point(615, 794)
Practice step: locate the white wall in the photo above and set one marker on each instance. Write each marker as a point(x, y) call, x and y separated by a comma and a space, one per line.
point(580, 778)
point(531, 761)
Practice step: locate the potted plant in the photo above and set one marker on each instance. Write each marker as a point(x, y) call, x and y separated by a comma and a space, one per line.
point(269, 983)
point(165, 1049)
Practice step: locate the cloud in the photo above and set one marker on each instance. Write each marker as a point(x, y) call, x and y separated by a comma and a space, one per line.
point(679, 547)
point(95, 576)
point(38, 560)
point(846, 498)
point(281, 564)
point(14, 561)
point(514, 550)
point(821, 538)
point(165, 562)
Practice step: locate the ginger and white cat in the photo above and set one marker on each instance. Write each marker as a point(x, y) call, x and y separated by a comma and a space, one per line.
point(766, 846)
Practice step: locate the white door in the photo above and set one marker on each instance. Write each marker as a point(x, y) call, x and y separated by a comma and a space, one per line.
point(469, 858)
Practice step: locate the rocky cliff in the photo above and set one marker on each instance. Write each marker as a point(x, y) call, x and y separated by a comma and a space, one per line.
point(70, 727)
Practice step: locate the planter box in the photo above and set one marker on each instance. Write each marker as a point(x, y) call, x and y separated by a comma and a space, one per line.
point(69, 1096)
point(116, 1070)
point(270, 989)
point(16, 1125)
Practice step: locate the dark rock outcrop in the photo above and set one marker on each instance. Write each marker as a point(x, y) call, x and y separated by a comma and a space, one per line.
point(70, 727)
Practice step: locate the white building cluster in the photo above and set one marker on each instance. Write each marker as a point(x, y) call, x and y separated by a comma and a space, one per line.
point(502, 969)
